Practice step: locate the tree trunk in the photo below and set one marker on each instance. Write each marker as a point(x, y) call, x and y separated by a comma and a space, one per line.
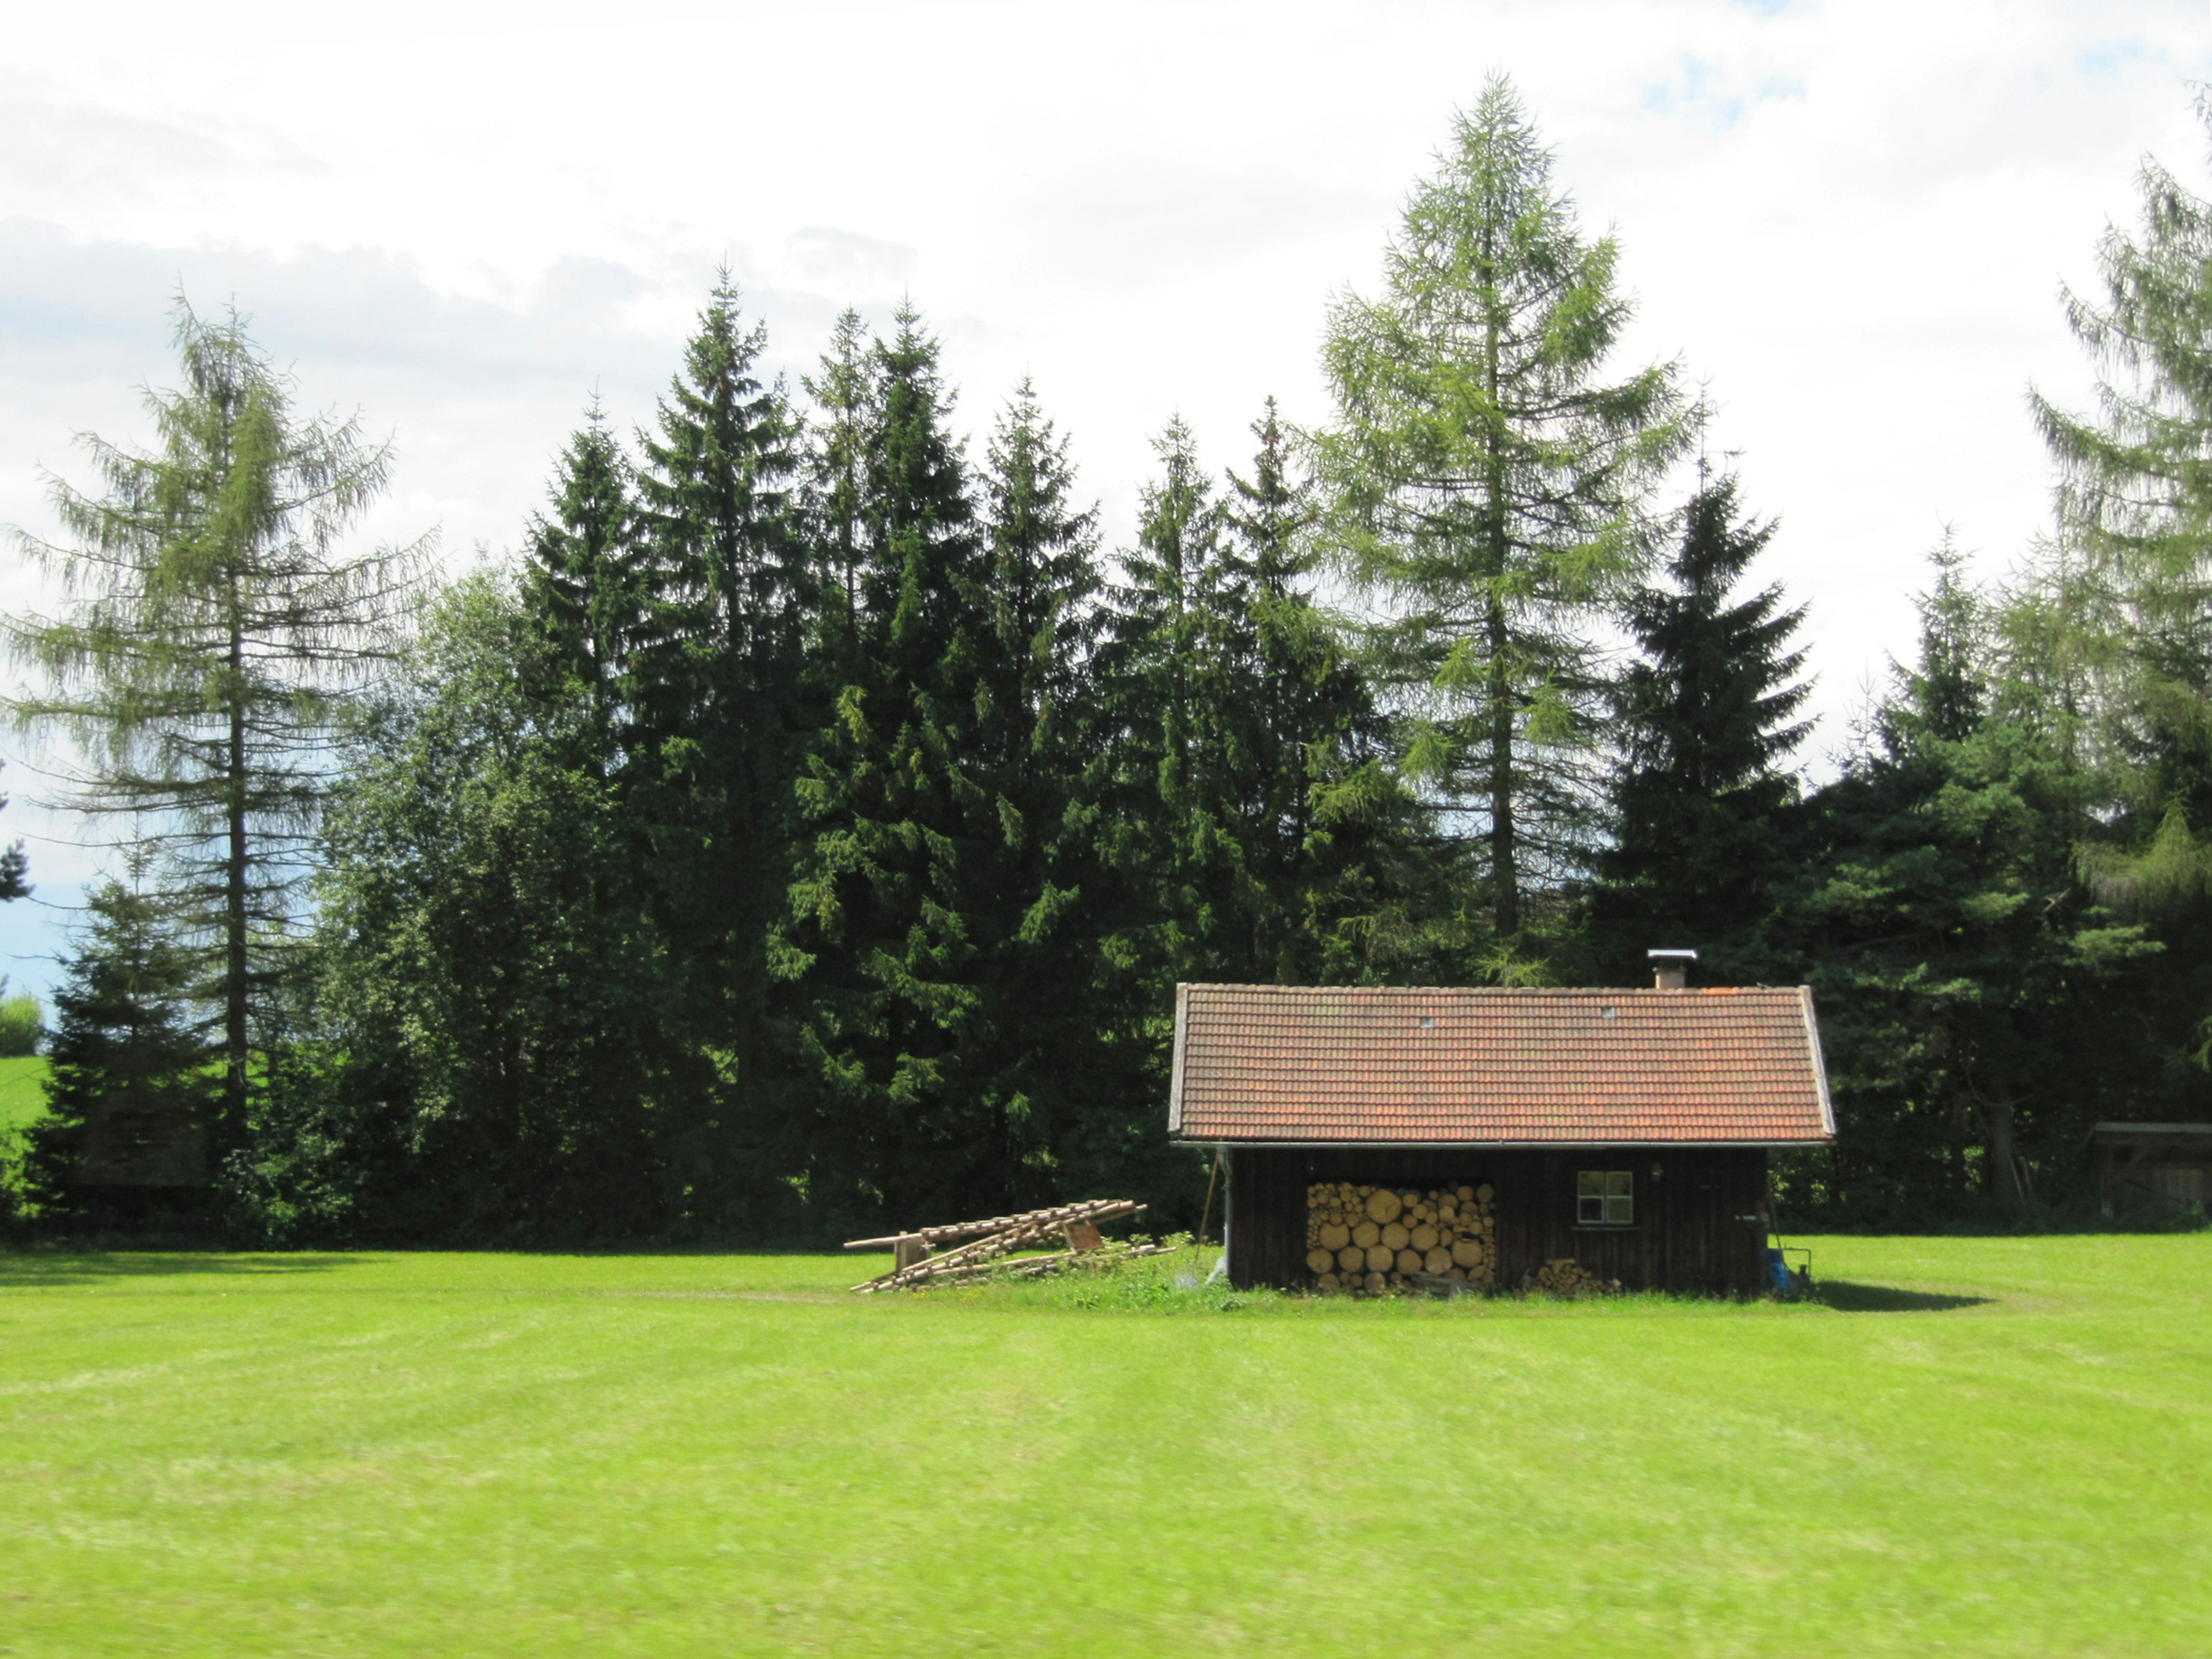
point(1504, 853)
point(233, 985)
point(2003, 1171)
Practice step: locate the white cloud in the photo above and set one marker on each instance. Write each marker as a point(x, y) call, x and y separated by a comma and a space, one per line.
point(1852, 219)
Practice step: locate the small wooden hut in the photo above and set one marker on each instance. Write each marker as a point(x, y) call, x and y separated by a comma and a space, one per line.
point(1493, 1136)
point(2152, 1165)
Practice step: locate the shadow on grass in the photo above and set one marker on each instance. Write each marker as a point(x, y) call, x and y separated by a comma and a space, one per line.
point(26, 1269)
point(1844, 1297)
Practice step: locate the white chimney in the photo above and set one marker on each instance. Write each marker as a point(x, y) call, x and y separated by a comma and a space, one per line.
point(1671, 968)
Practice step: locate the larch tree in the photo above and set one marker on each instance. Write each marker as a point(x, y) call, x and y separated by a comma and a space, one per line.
point(216, 628)
point(2135, 508)
point(1485, 488)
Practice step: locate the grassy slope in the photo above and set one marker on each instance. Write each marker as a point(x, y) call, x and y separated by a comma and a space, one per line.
point(716, 1456)
point(22, 1090)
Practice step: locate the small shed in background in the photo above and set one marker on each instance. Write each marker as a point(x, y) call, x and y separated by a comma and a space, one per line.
point(2152, 1165)
point(1627, 1130)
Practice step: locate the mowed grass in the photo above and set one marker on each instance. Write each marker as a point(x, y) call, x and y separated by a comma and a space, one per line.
point(1981, 1447)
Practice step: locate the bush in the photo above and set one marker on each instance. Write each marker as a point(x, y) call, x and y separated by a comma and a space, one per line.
point(21, 1025)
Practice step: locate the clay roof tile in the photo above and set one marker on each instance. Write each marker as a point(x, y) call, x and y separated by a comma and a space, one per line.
point(1462, 1065)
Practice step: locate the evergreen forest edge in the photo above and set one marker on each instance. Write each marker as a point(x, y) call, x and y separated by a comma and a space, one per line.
point(806, 832)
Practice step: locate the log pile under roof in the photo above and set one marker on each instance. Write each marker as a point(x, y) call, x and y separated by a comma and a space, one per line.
point(1369, 1238)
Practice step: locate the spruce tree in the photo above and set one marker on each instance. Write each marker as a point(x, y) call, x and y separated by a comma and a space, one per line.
point(728, 567)
point(883, 938)
point(1334, 846)
point(1170, 663)
point(1486, 488)
point(585, 584)
point(716, 688)
point(835, 472)
point(1035, 1035)
point(130, 1096)
point(1706, 717)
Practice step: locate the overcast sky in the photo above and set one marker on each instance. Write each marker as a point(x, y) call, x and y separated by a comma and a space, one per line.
point(1850, 221)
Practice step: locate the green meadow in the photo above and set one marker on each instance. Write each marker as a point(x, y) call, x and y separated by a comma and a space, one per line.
point(1969, 1446)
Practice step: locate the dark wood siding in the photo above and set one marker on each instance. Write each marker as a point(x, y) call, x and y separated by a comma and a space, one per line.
point(1690, 1233)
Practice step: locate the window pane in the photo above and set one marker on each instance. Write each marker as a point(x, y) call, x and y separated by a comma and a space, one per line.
point(1591, 1183)
point(1619, 1183)
point(1620, 1212)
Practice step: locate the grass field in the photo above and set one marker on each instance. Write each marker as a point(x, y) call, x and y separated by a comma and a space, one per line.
point(1978, 1447)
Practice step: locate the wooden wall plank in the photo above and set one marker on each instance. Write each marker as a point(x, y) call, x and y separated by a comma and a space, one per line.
point(1687, 1237)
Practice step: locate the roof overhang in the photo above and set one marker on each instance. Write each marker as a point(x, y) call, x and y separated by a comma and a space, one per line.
point(2194, 1139)
point(1303, 1066)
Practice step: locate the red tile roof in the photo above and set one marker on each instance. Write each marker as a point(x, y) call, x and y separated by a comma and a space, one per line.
point(1469, 1066)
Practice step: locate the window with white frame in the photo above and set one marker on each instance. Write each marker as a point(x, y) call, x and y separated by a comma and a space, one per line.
point(1605, 1197)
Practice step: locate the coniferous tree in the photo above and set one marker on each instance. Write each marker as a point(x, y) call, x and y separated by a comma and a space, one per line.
point(717, 690)
point(1937, 916)
point(130, 1098)
point(1035, 1031)
point(217, 640)
point(1167, 665)
point(2128, 591)
point(1486, 487)
point(585, 584)
point(1706, 717)
point(835, 474)
point(2135, 505)
point(1254, 791)
point(1334, 846)
point(884, 938)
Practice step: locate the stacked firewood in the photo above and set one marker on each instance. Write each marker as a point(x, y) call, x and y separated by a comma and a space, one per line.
point(917, 1264)
point(1565, 1276)
point(1369, 1238)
